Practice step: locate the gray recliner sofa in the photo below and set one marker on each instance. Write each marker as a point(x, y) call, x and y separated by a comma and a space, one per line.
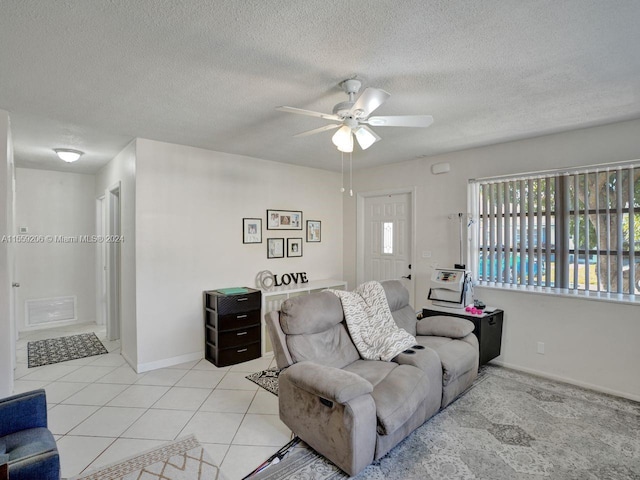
point(353, 411)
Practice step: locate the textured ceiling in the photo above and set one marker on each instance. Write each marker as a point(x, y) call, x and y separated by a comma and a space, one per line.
point(93, 74)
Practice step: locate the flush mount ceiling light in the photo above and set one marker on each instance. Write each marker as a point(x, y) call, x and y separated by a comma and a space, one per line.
point(68, 155)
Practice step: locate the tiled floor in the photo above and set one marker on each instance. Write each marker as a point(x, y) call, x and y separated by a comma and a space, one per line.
point(101, 411)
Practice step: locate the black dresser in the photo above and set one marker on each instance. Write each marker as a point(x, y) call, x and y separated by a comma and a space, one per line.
point(232, 330)
point(487, 327)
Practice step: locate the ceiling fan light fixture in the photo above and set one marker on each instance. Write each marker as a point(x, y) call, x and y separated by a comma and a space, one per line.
point(343, 139)
point(68, 155)
point(365, 137)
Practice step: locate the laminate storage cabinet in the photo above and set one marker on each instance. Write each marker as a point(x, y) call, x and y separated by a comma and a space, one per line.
point(232, 329)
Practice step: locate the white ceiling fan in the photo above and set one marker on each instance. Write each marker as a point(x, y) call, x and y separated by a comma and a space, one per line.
point(354, 118)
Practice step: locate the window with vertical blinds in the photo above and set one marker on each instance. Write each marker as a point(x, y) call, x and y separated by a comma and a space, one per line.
point(577, 230)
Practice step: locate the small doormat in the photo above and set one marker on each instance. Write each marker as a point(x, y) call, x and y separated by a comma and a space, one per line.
point(62, 349)
point(182, 459)
point(267, 379)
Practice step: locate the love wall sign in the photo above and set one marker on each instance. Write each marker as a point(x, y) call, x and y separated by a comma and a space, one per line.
point(266, 280)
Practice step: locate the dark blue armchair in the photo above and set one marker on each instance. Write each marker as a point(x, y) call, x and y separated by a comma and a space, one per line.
point(27, 448)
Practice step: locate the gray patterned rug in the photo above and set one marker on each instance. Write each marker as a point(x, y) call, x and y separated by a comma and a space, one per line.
point(267, 379)
point(55, 350)
point(182, 459)
point(508, 426)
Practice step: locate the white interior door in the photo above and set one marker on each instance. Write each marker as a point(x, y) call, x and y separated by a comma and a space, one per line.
point(387, 238)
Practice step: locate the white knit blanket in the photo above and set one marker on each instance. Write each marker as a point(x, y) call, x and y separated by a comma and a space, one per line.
point(370, 323)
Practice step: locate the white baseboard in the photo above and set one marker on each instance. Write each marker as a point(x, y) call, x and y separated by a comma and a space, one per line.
point(169, 362)
point(570, 381)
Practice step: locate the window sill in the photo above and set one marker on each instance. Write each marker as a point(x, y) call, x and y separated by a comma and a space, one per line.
point(566, 293)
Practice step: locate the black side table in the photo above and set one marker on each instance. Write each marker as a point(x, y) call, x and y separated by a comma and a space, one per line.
point(487, 327)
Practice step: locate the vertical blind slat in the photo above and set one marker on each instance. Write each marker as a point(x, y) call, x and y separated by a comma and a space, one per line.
point(547, 230)
point(539, 231)
point(587, 256)
point(632, 240)
point(530, 231)
point(576, 230)
point(619, 234)
point(608, 227)
point(523, 232)
point(500, 238)
point(507, 232)
point(492, 233)
point(597, 227)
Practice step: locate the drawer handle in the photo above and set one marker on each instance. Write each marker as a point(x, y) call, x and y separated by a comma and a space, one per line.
point(243, 350)
point(241, 333)
point(242, 316)
point(242, 299)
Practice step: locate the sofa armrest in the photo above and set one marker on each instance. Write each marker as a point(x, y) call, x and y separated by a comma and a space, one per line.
point(23, 411)
point(329, 383)
point(444, 326)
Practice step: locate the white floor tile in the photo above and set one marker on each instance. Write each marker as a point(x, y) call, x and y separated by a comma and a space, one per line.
point(185, 366)
point(200, 379)
point(207, 365)
point(216, 450)
point(241, 460)
point(262, 430)
point(264, 402)
point(59, 391)
point(51, 372)
point(182, 398)
point(63, 418)
point(95, 394)
point(108, 360)
point(163, 376)
point(237, 381)
point(213, 427)
point(76, 453)
point(230, 401)
point(124, 375)
point(123, 448)
point(158, 424)
point(255, 365)
point(108, 422)
point(21, 386)
point(87, 373)
point(138, 396)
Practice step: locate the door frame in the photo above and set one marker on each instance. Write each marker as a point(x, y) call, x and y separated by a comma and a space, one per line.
point(101, 260)
point(113, 261)
point(360, 230)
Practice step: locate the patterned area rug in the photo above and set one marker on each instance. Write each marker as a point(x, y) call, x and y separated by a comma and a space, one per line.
point(183, 459)
point(267, 379)
point(509, 425)
point(54, 350)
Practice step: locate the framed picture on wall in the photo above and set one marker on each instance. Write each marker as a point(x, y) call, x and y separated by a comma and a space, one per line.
point(313, 230)
point(275, 247)
point(284, 220)
point(251, 230)
point(294, 247)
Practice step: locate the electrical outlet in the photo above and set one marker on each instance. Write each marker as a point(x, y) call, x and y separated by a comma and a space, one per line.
point(541, 348)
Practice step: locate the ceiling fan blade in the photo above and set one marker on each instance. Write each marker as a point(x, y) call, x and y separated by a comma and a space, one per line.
point(365, 136)
point(300, 111)
point(318, 130)
point(401, 121)
point(366, 103)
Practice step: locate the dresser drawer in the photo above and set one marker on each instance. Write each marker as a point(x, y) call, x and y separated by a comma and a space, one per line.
point(228, 304)
point(238, 320)
point(232, 356)
point(233, 338)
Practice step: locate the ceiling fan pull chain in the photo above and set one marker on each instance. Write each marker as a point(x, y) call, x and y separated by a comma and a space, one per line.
point(351, 174)
point(342, 186)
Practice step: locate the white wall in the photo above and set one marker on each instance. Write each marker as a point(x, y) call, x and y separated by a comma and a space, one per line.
point(189, 209)
point(7, 332)
point(122, 170)
point(587, 343)
point(56, 204)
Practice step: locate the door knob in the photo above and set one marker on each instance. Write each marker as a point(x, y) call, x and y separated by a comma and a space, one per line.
point(15, 284)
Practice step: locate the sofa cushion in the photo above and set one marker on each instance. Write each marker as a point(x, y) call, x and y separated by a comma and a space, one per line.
point(445, 326)
point(398, 396)
point(310, 313)
point(397, 295)
point(374, 371)
point(332, 347)
point(457, 357)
